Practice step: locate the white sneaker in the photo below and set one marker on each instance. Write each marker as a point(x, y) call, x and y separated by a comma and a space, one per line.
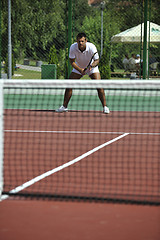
point(62, 109)
point(106, 110)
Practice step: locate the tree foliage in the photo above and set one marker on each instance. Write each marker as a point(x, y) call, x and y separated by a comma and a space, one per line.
point(38, 25)
point(35, 25)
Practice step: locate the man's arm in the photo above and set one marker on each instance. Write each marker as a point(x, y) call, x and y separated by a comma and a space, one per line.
point(74, 65)
point(82, 70)
point(95, 63)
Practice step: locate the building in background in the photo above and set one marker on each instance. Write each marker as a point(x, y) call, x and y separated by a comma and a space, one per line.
point(94, 2)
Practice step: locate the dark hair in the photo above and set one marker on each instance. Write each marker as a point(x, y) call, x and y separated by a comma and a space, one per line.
point(80, 35)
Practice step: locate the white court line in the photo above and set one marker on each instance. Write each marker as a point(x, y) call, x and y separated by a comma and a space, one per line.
point(85, 132)
point(50, 172)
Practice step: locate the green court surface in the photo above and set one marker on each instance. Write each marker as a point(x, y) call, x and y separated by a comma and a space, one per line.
point(116, 102)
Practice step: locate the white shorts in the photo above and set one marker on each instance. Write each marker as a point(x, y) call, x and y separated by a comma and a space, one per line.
point(93, 70)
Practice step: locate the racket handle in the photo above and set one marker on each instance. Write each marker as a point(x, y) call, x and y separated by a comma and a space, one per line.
point(88, 67)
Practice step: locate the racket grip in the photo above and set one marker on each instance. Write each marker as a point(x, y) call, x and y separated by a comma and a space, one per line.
point(87, 67)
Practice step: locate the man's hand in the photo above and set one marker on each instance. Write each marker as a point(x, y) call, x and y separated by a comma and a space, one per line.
point(82, 71)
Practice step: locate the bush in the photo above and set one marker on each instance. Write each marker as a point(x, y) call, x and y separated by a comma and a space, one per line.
point(104, 65)
point(53, 58)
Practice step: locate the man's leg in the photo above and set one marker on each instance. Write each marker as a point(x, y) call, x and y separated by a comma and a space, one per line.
point(68, 94)
point(68, 91)
point(101, 96)
point(67, 97)
point(100, 91)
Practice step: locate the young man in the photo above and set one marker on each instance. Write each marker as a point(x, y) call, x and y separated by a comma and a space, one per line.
point(79, 57)
point(132, 63)
point(126, 63)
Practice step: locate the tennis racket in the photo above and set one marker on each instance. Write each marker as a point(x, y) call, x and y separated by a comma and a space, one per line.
point(90, 61)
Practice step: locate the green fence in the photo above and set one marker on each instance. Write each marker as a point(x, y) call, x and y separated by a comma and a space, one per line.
point(49, 71)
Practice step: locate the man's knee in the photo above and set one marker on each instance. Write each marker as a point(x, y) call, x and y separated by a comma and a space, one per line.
point(100, 90)
point(68, 90)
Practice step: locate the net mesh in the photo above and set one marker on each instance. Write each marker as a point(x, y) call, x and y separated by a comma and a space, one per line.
point(82, 153)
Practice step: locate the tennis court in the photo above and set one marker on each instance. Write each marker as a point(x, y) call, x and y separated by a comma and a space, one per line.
point(21, 219)
point(82, 174)
point(82, 155)
point(94, 150)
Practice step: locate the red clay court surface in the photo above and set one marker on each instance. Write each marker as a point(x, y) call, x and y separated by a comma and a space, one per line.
point(78, 220)
point(48, 220)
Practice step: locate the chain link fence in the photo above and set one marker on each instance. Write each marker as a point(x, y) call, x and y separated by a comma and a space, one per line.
point(39, 35)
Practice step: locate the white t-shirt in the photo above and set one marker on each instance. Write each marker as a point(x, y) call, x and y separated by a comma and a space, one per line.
point(125, 63)
point(83, 58)
point(132, 63)
point(137, 60)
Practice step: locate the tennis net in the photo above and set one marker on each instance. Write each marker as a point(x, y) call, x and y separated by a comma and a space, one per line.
point(83, 153)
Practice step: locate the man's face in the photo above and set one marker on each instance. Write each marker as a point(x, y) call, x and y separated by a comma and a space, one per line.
point(82, 43)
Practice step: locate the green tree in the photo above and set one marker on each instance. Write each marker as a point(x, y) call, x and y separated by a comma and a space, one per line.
point(53, 59)
point(104, 65)
point(81, 9)
point(92, 27)
point(35, 26)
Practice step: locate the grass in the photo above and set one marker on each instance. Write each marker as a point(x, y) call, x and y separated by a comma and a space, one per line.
point(31, 62)
point(26, 74)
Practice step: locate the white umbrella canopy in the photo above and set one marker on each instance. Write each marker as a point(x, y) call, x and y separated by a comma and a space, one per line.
point(134, 34)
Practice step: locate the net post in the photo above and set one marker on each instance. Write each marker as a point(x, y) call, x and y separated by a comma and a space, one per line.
point(1, 138)
point(0, 38)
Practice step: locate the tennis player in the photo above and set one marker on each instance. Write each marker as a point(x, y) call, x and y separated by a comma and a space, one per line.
point(84, 59)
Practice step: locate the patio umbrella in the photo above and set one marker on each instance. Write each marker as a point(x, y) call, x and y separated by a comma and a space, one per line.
point(134, 34)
